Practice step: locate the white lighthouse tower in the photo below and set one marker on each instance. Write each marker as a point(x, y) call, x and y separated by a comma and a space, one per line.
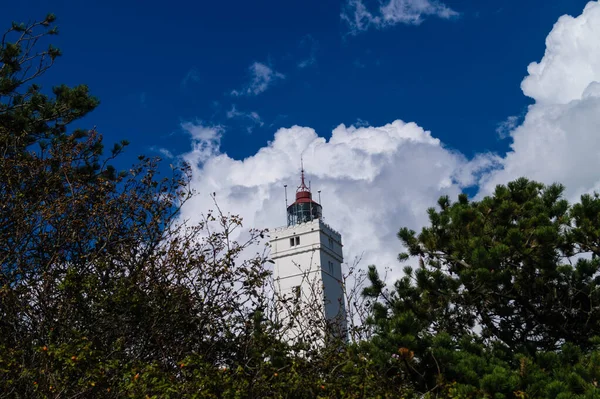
point(308, 273)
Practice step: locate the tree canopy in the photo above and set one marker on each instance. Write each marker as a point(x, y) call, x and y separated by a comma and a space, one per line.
point(510, 281)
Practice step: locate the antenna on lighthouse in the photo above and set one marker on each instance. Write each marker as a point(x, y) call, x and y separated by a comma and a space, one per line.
point(302, 184)
point(321, 216)
point(285, 190)
point(311, 208)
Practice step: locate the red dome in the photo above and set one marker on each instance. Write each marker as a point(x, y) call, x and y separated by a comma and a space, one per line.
point(303, 195)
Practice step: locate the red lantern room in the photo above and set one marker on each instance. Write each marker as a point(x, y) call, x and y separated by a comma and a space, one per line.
point(304, 209)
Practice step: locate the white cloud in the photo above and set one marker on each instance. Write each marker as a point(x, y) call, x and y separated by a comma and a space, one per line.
point(165, 152)
point(559, 139)
point(252, 117)
point(261, 77)
point(571, 61)
point(392, 12)
point(374, 180)
point(234, 113)
point(205, 141)
point(505, 127)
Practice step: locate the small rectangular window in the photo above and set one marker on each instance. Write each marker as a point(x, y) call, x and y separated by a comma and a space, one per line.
point(297, 240)
point(292, 242)
point(330, 243)
point(330, 267)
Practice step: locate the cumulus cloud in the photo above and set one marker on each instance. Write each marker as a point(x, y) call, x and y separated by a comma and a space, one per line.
point(559, 139)
point(374, 180)
point(571, 61)
point(261, 77)
point(392, 12)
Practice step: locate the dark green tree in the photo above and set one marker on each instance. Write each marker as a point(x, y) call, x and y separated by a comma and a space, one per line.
point(515, 274)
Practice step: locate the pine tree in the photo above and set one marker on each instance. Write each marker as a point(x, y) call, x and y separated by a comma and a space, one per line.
point(513, 276)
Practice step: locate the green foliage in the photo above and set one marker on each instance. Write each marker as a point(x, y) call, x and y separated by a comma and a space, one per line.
point(505, 262)
point(504, 302)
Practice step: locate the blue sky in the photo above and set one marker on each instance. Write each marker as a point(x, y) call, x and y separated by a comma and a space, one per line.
point(392, 103)
point(458, 78)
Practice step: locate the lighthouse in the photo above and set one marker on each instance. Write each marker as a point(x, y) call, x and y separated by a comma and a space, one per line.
point(307, 273)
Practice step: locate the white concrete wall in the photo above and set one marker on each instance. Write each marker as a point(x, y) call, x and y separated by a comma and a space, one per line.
point(308, 266)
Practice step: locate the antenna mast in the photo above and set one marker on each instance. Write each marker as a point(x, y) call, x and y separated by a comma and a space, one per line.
point(302, 184)
point(311, 209)
point(320, 203)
